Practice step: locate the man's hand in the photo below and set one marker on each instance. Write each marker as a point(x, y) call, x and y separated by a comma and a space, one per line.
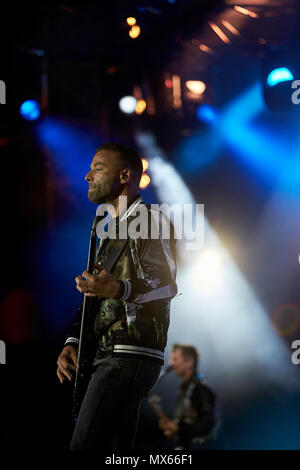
point(102, 284)
point(169, 427)
point(66, 361)
point(163, 422)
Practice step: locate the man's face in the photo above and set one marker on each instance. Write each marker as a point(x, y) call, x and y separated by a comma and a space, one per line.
point(104, 177)
point(179, 364)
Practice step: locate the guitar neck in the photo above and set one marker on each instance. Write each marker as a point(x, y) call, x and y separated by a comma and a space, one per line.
point(157, 408)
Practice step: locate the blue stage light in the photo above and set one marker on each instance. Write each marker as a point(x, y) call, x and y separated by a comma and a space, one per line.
point(281, 74)
point(30, 110)
point(206, 113)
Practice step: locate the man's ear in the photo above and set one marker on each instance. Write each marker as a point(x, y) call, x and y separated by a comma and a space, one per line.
point(125, 175)
point(190, 363)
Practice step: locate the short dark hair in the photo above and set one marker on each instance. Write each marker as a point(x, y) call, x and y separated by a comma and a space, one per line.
point(128, 157)
point(188, 352)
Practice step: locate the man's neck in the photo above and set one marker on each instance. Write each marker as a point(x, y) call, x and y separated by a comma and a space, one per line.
point(121, 205)
point(187, 375)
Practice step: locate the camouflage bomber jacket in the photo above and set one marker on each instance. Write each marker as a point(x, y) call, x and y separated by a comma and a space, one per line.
point(136, 324)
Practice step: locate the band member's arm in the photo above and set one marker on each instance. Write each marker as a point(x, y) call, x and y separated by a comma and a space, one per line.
point(67, 360)
point(72, 337)
point(203, 401)
point(155, 260)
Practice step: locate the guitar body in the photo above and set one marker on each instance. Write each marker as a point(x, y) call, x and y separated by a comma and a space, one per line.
point(82, 379)
point(83, 374)
point(194, 444)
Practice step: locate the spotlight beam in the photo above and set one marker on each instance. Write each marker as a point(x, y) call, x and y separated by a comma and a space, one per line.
point(228, 323)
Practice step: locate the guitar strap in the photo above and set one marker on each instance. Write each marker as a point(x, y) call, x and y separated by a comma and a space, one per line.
point(115, 253)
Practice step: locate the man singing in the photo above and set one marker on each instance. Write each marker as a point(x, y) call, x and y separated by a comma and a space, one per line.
point(131, 307)
point(196, 416)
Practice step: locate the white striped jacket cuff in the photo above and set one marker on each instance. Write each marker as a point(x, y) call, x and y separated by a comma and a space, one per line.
point(127, 290)
point(72, 339)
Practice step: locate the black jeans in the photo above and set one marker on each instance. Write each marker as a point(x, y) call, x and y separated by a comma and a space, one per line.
point(109, 413)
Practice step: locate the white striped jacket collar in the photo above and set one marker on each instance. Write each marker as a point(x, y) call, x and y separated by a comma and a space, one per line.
point(131, 208)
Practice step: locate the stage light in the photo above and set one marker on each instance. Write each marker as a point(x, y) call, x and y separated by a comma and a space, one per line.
point(134, 32)
point(145, 181)
point(281, 74)
point(231, 28)
point(259, 148)
point(245, 11)
point(208, 273)
point(206, 113)
point(131, 21)
point(219, 33)
point(127, 104)
point(168, 83)
point(196, 86)
point(176, 91)
point(30, 110)
point(205, 48)
point(145, 164)
point(140, 106)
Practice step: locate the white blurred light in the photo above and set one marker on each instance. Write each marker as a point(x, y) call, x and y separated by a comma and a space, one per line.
point(127, 104)
point(196, 86)
point(207, 274)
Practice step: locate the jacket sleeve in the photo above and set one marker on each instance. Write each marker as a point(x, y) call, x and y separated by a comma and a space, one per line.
point(203, 401)
point(155, 266)
point(73, 334)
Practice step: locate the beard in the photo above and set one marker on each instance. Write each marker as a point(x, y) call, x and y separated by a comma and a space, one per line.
point(103, 192)
point(97, 195)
